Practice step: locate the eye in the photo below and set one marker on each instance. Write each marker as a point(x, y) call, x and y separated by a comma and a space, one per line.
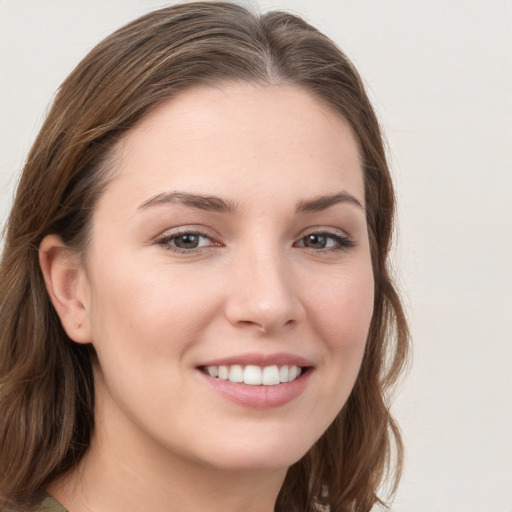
point(325, 241)
point(189, 241)
point(186, 241)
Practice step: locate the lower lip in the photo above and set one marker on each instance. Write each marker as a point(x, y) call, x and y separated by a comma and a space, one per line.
point(259, 397)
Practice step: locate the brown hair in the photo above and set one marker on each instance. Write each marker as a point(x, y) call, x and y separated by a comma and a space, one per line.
point(46, 385)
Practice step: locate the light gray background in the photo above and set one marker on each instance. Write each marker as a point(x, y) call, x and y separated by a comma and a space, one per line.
point(440, 74)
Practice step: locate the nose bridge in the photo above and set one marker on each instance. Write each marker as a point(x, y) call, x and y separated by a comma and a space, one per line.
point(263, 291)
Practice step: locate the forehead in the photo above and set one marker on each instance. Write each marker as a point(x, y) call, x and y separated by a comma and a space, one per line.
point(240, 140)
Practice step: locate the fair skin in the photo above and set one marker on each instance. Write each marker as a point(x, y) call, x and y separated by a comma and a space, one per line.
point(274, 272)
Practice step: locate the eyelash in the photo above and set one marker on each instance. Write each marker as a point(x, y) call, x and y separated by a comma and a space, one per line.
point(341, 242)
point(167, 239)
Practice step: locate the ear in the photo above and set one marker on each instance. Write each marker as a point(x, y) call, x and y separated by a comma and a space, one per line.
point(67, 286)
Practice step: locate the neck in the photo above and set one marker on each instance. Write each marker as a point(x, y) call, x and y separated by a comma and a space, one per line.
point(123, 470)
point(140, 488)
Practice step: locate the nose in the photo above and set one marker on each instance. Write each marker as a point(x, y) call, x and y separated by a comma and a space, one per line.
point(263, 292)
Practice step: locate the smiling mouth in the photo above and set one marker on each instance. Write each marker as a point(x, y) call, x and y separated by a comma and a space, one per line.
point(255, 375)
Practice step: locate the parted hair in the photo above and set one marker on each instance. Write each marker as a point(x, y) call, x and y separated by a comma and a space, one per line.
point(46, 380)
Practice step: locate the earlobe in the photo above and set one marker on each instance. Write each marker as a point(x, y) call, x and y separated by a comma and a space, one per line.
point(66, 283)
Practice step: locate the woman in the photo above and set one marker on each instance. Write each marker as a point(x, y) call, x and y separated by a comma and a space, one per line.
point(196, 308)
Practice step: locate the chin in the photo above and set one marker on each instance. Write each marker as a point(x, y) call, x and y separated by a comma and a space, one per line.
point(265, 453)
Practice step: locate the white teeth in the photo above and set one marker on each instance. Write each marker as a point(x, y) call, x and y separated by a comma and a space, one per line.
point(223, 372)
point(252, 375)
point(294, 373)
point(255, 375)
point(270, 376)
point(284, 371)
point(236, 373)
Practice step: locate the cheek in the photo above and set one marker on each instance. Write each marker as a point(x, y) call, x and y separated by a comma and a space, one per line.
point(342, 307)
point(340, 312)
point(143, 329)
point(148, 315)
point(341, 315)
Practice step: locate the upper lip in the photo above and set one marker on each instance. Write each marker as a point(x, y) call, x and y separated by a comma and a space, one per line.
point(257, 359)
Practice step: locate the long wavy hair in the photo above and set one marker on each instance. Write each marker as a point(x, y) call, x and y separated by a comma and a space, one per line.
point(46, 380)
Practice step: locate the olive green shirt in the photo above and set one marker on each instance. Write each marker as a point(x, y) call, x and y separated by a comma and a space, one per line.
point(50, 505)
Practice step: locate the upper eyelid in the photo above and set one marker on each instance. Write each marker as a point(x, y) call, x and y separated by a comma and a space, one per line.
point(324, 230)
point(184, 230)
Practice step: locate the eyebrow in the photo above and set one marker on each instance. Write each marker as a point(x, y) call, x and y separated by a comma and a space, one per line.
point(208, 203)
point(323, 202)
point(217, 204)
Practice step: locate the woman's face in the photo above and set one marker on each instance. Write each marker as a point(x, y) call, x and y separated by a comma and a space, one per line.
point(231, 245)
